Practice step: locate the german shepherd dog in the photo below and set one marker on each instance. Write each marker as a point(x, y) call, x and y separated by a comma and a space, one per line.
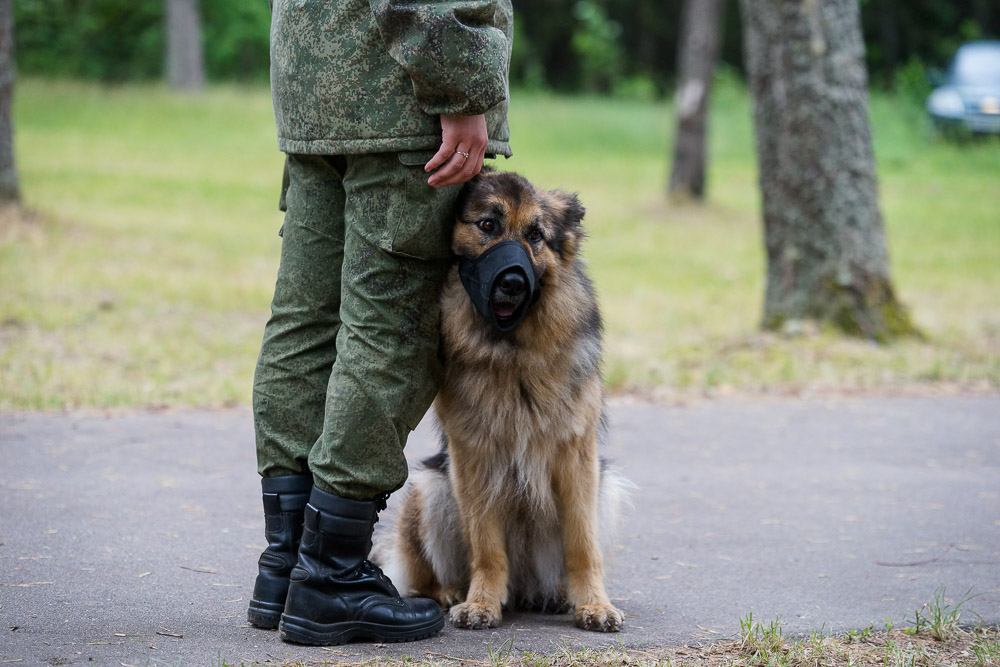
point(517, 508)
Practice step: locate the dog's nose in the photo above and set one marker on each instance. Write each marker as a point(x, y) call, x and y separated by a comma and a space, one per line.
point(512, 283)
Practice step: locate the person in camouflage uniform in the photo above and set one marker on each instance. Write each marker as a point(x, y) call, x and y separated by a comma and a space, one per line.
point(370, 96)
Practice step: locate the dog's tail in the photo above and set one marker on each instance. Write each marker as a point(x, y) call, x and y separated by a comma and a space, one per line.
point(613, 499)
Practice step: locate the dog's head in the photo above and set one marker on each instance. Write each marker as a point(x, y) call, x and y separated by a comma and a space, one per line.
point(528, 234)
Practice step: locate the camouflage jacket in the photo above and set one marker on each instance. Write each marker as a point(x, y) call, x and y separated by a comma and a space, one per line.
point(362, 76)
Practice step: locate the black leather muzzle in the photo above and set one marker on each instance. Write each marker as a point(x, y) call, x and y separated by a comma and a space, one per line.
point(482, 275)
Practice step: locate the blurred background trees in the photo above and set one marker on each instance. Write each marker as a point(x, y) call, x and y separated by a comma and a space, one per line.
point(123, 40)
point(185, 53)
point(625, 47)
point(698, 52)
point(9, 189)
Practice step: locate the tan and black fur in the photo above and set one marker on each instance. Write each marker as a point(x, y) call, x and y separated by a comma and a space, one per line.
point(517, 509)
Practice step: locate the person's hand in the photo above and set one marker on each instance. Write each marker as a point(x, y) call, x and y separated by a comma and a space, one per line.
point(463, 145)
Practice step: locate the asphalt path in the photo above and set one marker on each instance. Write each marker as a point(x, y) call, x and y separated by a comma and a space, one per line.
point(133, 538)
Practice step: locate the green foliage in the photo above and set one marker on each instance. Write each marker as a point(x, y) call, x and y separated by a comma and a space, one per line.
point(596, 44)
point(123, 40)
point(236, 36)
point(619, 46)
point(526, 66)
point(912, 82)
point(109, 40)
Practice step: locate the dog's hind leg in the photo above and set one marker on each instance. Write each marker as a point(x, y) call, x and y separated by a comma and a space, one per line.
point(427, 558)
point(442, 542)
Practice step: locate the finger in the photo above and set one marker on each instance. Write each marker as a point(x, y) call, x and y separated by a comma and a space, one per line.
point(481, 158)
point(457, 172)
point(474, 164)
point(443, 155)
point(452, 171)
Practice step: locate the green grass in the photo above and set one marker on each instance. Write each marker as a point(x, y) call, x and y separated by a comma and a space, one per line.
point(759, 645)
point(940, 617)
point(145, 275)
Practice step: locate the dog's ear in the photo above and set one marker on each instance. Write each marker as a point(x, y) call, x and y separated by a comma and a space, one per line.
point(568, 215)
point(573, 210)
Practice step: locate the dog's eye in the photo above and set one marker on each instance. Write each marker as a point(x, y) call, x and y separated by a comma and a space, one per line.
point(487, 225)
point(535, 235)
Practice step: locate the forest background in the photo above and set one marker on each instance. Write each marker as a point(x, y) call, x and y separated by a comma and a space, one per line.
point(623, 47)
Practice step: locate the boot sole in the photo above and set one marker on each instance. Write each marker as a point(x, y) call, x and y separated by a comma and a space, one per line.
point(302, 631)
point(265, 615)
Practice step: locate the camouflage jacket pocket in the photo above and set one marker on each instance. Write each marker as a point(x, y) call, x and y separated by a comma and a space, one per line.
point(423, 219)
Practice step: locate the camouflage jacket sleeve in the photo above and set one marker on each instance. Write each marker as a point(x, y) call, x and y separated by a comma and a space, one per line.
point(457, 53)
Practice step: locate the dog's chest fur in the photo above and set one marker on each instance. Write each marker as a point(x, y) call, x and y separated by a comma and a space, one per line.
point(510, 409)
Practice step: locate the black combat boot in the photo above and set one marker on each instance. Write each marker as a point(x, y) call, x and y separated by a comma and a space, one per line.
point(336, 594)
point(285, 501)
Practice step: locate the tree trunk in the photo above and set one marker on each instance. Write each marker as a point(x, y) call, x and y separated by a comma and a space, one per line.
point(185, 59)
point(826, 250)
point(700, 41)
point(9, 189)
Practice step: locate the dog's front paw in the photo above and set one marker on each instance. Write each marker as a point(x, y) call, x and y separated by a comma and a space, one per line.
point(599, 618)
point(475, 616)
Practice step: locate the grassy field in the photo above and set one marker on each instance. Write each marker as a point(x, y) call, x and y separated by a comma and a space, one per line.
point(142, 273)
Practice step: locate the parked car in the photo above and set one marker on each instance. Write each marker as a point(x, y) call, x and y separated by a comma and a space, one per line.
point(968, 97)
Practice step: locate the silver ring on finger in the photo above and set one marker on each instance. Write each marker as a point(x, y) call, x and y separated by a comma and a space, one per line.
point(463, 154)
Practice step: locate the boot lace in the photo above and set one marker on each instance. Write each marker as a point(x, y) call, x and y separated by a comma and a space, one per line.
point(375, 571)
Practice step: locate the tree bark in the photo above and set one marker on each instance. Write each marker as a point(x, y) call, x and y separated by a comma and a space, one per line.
point(185, 55)
point(10, 191)
point(700, 41)
point(827, 258)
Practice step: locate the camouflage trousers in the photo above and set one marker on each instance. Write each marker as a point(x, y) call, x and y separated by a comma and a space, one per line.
point(349, 362)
